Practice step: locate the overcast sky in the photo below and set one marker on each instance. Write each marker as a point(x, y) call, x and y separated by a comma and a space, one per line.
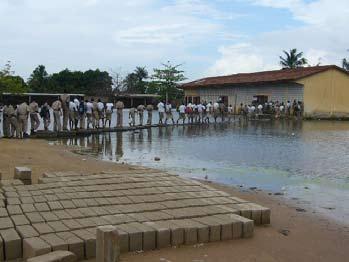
point(211, 37)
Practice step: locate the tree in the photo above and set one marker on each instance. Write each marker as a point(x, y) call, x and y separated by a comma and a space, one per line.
point(118, 81)
point(293, 59)
point(134, 82)
point(345, 64)
point(38, 80)
point(167, 78)
point(11, 83)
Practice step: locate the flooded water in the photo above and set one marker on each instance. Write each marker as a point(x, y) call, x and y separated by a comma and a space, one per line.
point(308, 161)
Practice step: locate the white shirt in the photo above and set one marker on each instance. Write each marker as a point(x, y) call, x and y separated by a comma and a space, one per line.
point(230, 109)
point(168, 107)
point(209, 106)
point(216, 105)
point(100, 106)
point(201, 108)
point(161, 107)
point(89, 107)
point(109, 107)
point(182, 109)
point(77, 102)
point(72, 106)
point(282, 108)
point(260, 107)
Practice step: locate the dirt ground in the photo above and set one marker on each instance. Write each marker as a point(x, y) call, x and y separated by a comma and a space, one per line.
point(309, 237)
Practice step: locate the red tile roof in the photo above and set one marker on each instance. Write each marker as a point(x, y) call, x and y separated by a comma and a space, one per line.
point(276, 76)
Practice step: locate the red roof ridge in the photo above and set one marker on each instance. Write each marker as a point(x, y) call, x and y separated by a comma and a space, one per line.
point(281, 75)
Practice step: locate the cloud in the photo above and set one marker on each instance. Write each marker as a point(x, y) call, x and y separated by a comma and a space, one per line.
point(322, 38)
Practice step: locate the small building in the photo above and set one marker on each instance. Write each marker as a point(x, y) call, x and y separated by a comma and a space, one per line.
point(134, 100)
point(324, 90)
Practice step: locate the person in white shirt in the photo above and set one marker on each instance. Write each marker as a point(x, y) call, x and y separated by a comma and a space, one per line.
point(230, 112)
point(260, 109)
point(182, 108)
point(201, 109)
point(216, 111)
point(108, 113)
point(73, 115)
point(100, 107)
point(169, 114)
point(76, 102)
point(208, 112)
point(161, 109)
point(89, 107)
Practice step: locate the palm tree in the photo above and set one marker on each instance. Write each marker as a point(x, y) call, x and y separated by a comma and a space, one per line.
point(345, 64)
point(293, 59)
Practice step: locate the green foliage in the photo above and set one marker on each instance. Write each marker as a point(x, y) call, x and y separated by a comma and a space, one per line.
point(345, 64)
point(11, 83)
point(166, 79)
point(134, 82)
point(293, 59)
point(91, 82)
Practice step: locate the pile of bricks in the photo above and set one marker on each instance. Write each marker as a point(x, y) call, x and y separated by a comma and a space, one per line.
point(150, 209)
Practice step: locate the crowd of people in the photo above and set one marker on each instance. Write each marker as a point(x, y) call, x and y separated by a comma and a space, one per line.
point(74, 114)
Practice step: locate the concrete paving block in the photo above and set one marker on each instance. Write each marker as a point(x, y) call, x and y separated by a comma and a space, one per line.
point(49, 216)
point(27, 200)
point(177, 232)
point(43, 228)
point(22, 173)
point(20, 220)
point(3, 212)
point(190, 231)
point(14, 210)
point(149, 235)
point(55, 242)
point(89, 240)
point(56, 256)
point(13, 201)
point(135, 237)
point(203, 231)
point(35, 217)
point(74, 213)
point(27, 231)
point(107, 244)
point(55, 205)
point(12, 244)
point(67, 204)
point(87, 212)
point(51, 198)
point(236, 224)
point(5, 223)
point(163, 234)
point(39, 198)
point(28, 208)
point(58, 226)
point(226, 228)
point(215, 227)
point(41, 207)
point(72, 224)
point(62, 214)
point(247, 226)
point(35, 246)
point(75, 244)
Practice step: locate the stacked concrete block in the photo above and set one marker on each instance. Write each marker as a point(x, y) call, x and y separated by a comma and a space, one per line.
point(24, 174)
point(12, 244)
point(107, 244)
point(35, 246)
point(56, 256)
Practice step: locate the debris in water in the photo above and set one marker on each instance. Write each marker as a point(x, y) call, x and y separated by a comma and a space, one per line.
point(301, 210)
point(284, 232)
point(156, 158)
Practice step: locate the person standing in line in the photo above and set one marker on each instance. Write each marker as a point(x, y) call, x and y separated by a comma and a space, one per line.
point(45, 115)
point(215, 111)
point(100, 107)
point(22, 114)
point(140, 110)
point(150, 109)
point(65, 98)
point(108, 113)
point(95, 114)
point(34, 119)
point(57, 113)
point(13, 127)
point(119, 111)
point(169, 114)
point(201, 109)
point(132, 116)
point(77, 104)
point(182, 108)
point(72, 115)
point(5, 121)
point(89, 108)
point(189, 111)
point(230, 112)
point(82, 114)
point(161, 109)
point(208, 112)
